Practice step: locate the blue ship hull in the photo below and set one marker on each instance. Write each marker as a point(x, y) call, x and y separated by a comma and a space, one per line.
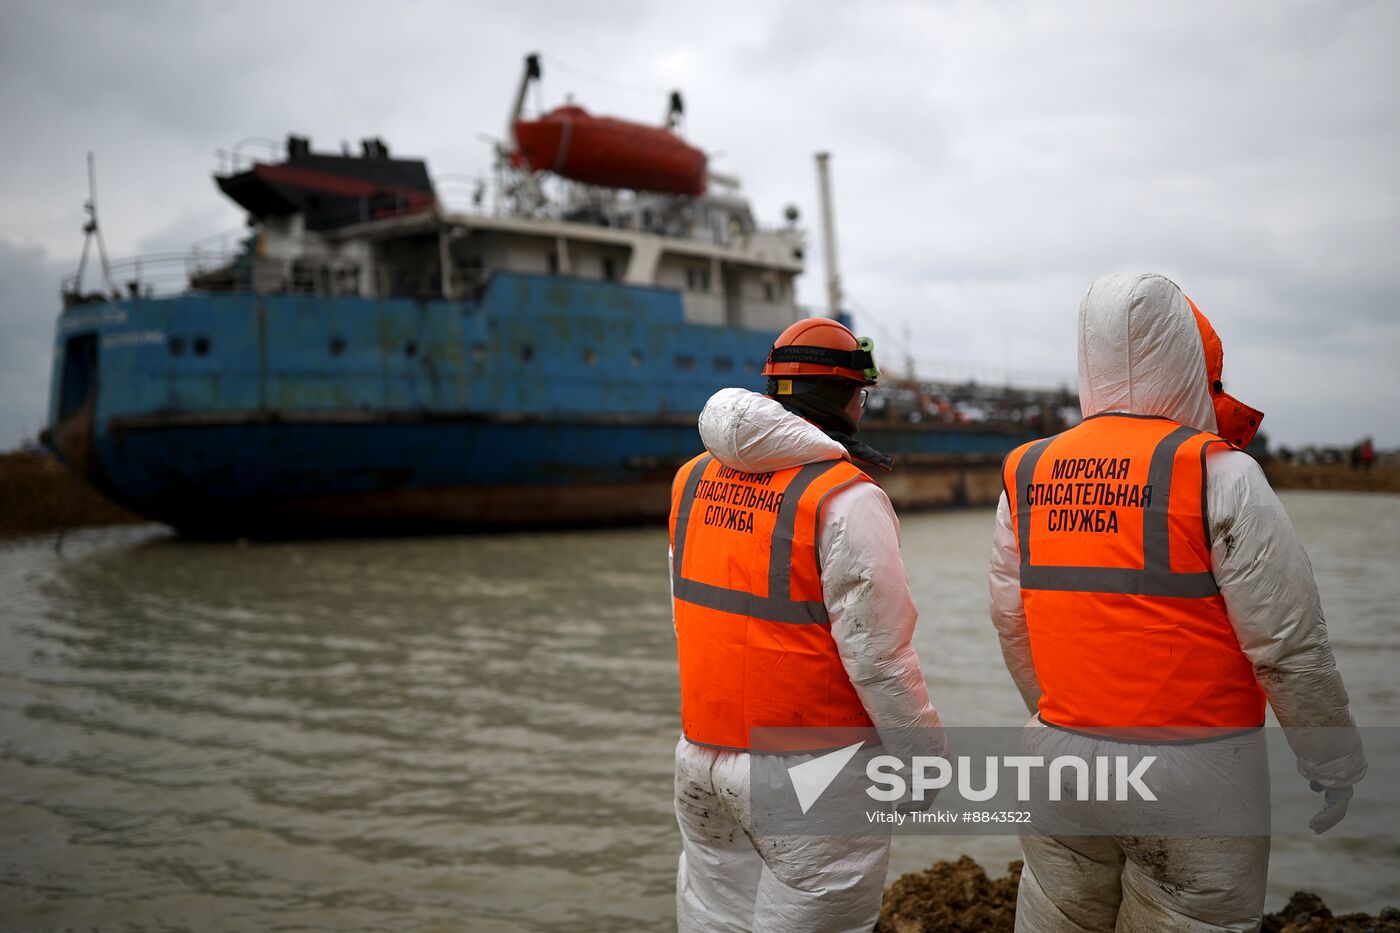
point(547, 400)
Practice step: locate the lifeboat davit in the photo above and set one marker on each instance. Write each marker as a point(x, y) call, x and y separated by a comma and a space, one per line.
point(605, 151)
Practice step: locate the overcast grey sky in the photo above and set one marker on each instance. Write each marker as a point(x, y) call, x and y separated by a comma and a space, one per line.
point(991, 159)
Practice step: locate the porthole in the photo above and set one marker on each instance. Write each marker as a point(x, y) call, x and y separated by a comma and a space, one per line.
point(336, 345)
point(527, 352)
point(635, 358)
point(410, 348)
point(201, 346)
point(478, 353)
point(723, 364)
point(590, 357)
point(177, 346)
point(683, 362)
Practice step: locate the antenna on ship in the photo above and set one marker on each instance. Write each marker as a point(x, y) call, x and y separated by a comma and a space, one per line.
point(675, 112)
point(833, 274)
point(92, 231)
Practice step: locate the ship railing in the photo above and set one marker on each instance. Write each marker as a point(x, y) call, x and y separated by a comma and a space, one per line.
point(464, 193)
point(248, 152)
point(515, 194)
point(163, 275)
point(961, 372)
point(149, 276)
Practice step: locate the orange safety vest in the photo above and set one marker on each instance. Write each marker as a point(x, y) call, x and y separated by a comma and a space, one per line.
point(1127, 625)
point(752, 632)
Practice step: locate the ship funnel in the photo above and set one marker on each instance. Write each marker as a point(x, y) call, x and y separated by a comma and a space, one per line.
point(833, 271)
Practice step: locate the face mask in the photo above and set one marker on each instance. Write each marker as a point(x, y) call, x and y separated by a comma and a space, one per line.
point(1235, 421)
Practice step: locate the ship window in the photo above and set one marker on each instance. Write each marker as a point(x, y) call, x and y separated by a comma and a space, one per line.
point(704, 280)
point(527, 352)
point(683, 361)
point(336, 345)
point(635, 359)
point(767, 290)
point(177, 346)
point(723, 364)
point(553, 262)
point(609, 269)
point(590, 357)
point(690, 278)
point(411, 348)
point(201, 346)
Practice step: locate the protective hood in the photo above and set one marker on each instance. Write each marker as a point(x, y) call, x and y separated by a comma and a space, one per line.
point(753, 433)
point(1140, 351)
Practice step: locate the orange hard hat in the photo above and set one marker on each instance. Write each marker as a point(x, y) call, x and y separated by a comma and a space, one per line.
point(820, 348)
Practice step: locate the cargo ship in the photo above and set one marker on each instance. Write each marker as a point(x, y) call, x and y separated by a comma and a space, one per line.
point(365, 358)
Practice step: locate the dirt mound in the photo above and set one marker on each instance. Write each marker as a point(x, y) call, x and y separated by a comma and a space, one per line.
point(37, 494)
point(958, 896)
point(1305, 913)
point(950, 896)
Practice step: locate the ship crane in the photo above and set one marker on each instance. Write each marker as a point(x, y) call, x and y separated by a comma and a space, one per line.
point(532, 73)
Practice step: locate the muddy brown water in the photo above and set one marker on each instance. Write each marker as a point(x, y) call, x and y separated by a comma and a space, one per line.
point(460, 732)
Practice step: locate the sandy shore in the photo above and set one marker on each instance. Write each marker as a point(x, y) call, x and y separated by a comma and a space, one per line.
point(952, 897)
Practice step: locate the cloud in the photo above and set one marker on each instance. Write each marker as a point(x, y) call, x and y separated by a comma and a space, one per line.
point(30, 305)
point(990, 160)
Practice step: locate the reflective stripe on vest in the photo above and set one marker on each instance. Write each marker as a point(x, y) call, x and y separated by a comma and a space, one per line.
point(777, 606)
point(1156, 577)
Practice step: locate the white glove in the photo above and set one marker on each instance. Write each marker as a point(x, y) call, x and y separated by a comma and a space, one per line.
point(1336, 800)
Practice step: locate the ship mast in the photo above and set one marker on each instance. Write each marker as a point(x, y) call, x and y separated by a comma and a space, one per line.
point(92, 231)
point(833, 273)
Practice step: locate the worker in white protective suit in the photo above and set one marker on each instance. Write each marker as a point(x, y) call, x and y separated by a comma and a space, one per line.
point(792, 609)
point(1143, 574)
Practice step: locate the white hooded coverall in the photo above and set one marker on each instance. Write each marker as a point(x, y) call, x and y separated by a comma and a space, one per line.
point(729, 878)
point(1140, 352)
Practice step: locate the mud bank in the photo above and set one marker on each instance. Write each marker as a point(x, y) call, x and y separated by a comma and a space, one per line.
point(952, 897)
point(1382, 477)
point(37, 495)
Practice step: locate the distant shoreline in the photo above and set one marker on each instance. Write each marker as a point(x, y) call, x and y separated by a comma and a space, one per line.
point(1337, 477)
point(38, 495)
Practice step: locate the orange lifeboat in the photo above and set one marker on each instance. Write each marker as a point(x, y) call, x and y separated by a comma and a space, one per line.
point(605, 151)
